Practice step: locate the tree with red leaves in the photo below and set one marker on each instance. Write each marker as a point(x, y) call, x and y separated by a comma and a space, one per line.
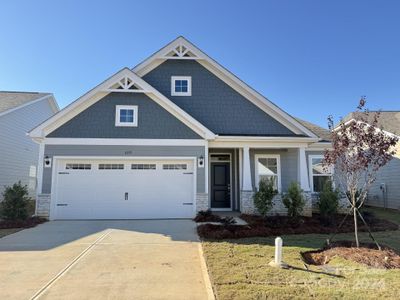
point(360, 148)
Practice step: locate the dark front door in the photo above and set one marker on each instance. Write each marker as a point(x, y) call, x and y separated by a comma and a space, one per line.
point(220, 185)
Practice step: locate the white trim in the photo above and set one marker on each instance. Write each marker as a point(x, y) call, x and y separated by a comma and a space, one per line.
point(39, 175)
point(230, 178)
point(127, 142)
point(249, 93)
point(278, 166)
point(189, 87)
point(256, 144)
point(310, 172)
point(247, 180)
point(99, 92)
point(302, 169)
point(118, 109)
point(56, 159)
point(50, 98)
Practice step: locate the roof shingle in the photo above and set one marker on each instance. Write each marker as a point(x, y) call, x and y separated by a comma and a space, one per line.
point(10, 100)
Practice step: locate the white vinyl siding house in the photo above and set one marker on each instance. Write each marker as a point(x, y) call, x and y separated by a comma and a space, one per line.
point(19, 154)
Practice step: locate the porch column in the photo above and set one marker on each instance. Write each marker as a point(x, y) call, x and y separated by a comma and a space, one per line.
point(302, 170)
point(247, 186)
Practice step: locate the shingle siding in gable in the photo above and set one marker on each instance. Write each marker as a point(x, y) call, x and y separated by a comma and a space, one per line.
point(98, 121)
point(213, 103)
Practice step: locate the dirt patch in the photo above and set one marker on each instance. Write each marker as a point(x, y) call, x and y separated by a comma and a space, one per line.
point(30, 222)
point(281, 225)
point(367, 254)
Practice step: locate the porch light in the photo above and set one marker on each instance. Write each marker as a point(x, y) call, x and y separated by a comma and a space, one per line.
point(200, 161)
point(47, 162)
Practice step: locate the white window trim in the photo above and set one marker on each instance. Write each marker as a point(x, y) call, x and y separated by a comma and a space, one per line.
point(125, 124)
point(189, 91)
point(278, 165)
point(310, 171)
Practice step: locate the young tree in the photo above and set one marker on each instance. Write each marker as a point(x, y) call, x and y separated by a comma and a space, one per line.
point(359, 149)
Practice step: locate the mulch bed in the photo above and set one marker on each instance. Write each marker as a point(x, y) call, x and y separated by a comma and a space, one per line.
point(281, 225)
point(207, 218)
point(367, 254)
point(30, 222)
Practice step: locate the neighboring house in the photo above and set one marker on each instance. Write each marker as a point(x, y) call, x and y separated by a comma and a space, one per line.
point(175, 135)
point(19, 113)
point(385, 191)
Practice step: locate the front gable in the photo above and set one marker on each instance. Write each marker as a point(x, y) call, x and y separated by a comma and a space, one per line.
point(213, 102)
point(99, 121)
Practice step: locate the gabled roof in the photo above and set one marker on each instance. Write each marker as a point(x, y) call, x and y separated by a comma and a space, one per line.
point(11, 100)
point(323, 133)
point(181, 48)
point(124, 81)
point(388, 120)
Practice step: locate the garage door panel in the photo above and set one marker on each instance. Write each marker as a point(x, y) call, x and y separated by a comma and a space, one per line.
point(100, 194)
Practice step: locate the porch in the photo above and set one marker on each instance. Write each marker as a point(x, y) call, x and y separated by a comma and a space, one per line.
point(233, 174)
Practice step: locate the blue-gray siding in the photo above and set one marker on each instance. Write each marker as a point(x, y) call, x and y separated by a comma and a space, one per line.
point(123, 151)
point(18, 153)
point(213, 103)
point(98, 121)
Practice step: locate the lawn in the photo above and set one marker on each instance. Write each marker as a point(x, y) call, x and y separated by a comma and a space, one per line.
point(239, 269)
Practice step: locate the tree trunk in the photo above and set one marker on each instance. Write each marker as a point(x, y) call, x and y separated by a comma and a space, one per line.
point(355, 220)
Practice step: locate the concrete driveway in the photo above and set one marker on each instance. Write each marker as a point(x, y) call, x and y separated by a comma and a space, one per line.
point(134, 259)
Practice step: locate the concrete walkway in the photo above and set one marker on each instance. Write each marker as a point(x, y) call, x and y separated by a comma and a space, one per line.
point(135, 259)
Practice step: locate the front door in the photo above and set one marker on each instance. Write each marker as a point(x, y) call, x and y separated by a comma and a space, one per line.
point(220, 185)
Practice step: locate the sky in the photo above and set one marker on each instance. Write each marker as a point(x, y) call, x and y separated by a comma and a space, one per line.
point(312, 58)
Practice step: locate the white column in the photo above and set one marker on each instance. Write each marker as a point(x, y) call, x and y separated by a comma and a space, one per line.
point(206, 168)
point(247, 186)
point(303, 174)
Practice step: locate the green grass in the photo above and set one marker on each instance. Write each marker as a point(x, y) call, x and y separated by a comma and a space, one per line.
point(239, 269)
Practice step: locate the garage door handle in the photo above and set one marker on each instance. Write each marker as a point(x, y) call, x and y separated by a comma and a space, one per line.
point(63, 173)
point(187, 203)
point(126, 196)
point(62, 204)
point(188, 173)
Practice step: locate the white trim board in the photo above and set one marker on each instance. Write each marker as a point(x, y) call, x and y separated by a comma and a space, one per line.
point(102, 90)
point(234, 82)
point(124, 142)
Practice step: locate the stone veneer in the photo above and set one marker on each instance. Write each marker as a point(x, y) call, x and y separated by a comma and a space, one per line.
point(202, 202)
point(247, 204)
point(43, 205)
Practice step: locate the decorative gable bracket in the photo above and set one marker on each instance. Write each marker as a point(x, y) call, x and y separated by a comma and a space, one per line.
point(125, 85)
point(180, 51)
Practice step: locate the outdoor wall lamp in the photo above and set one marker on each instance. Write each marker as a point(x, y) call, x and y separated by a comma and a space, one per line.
point(200, 161)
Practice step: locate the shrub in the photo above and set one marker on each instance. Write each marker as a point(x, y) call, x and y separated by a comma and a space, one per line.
point(328, 203)
point(206, 216)
point(294, 202)
point(263, 198)
point(15, 203)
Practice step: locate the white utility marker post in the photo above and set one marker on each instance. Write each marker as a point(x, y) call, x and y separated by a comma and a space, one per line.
point(277, 262)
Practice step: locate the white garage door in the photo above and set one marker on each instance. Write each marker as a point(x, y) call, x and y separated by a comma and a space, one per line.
point(122, 189)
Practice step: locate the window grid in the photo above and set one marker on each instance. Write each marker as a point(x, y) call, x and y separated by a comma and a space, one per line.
point(143, 166)
point(78, 166)
point(126, 115)
point(319, 174)
point(174, 166)
point(111, 166)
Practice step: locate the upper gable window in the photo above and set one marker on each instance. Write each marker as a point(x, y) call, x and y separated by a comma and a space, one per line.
point(181, 86)
point(126, 115)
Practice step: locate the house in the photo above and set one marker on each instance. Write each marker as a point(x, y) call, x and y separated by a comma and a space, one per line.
point(175, 135)
point(19, 113)
point(385, 191)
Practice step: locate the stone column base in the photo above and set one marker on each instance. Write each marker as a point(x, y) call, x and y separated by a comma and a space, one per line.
point(43, 205)
point(202, 202)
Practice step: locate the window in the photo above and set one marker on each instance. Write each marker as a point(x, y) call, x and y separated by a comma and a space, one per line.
point(174, 167)
point(143, 166)
point(267, 167)
point(126, 115)
point(78, 166)
point(111, 166)
point(181, 86)
point(318, 174)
